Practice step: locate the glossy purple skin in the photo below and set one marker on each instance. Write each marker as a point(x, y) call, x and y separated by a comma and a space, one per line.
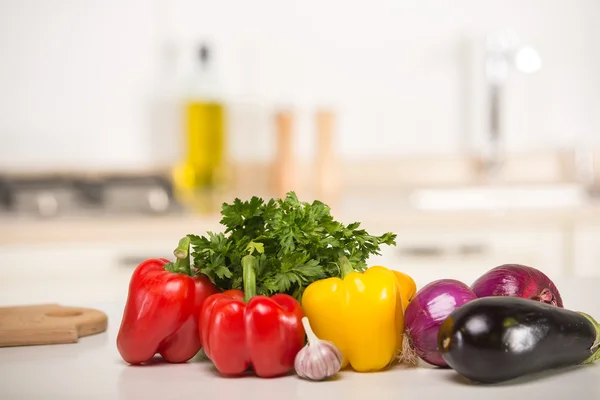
point(516, 280)
point(426, 312)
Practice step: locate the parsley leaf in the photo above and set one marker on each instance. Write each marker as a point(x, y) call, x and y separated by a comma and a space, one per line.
point(295, 243)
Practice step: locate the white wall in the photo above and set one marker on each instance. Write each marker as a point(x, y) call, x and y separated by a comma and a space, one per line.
point(77, 77)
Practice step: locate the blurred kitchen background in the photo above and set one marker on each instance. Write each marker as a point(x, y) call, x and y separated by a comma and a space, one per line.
point(471, 128)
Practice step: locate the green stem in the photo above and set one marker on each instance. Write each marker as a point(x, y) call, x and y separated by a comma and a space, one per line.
point(596, 346)
point(345, 266)
point(249, 276)
point(182, 257)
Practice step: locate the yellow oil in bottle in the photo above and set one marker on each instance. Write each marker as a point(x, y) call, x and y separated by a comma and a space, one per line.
point(204, 146)
point(203, 165)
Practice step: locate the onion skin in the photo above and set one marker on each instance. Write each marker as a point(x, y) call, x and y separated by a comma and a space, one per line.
point(426, 312)
point(517, 280)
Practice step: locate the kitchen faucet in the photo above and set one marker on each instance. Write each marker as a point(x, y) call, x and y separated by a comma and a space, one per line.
point(503, 50)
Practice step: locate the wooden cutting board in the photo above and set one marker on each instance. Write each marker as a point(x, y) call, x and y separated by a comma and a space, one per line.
point(48, 324)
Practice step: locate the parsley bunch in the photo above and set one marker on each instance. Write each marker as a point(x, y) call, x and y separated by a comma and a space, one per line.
point(296, 243)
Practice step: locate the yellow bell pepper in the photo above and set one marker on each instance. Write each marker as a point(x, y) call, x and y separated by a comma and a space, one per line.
point(408, 288)
point(362, 313)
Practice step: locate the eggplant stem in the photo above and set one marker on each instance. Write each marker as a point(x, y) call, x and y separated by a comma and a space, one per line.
point(595, 348)
point(594, 357)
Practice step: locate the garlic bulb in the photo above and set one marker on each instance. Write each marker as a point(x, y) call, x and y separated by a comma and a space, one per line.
point(319, 359)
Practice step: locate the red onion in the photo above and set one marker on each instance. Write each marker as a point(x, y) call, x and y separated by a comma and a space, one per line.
point(424, 315)
point(517, 281)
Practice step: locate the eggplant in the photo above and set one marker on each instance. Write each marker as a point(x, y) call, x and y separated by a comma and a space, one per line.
point(496, 339)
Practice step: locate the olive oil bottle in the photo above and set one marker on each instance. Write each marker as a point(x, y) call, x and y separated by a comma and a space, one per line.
point(203, 161)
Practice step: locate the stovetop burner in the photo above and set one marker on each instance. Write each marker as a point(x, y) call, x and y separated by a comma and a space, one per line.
point(54, 195)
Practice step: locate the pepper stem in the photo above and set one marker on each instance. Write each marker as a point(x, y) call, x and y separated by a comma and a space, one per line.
point(182, 257)
point(249, 276)
point(345, 266)
point(312, 338)
point(596, 346)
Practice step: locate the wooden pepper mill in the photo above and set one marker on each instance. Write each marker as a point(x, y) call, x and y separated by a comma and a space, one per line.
point(325, 185)
point(327, 164)
point(285, 161)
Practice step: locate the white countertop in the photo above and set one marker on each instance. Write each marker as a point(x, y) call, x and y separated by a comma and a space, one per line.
point(93, 369)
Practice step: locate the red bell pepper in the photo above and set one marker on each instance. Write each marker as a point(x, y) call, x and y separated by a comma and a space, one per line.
point(239, 330)
point(162, 310)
